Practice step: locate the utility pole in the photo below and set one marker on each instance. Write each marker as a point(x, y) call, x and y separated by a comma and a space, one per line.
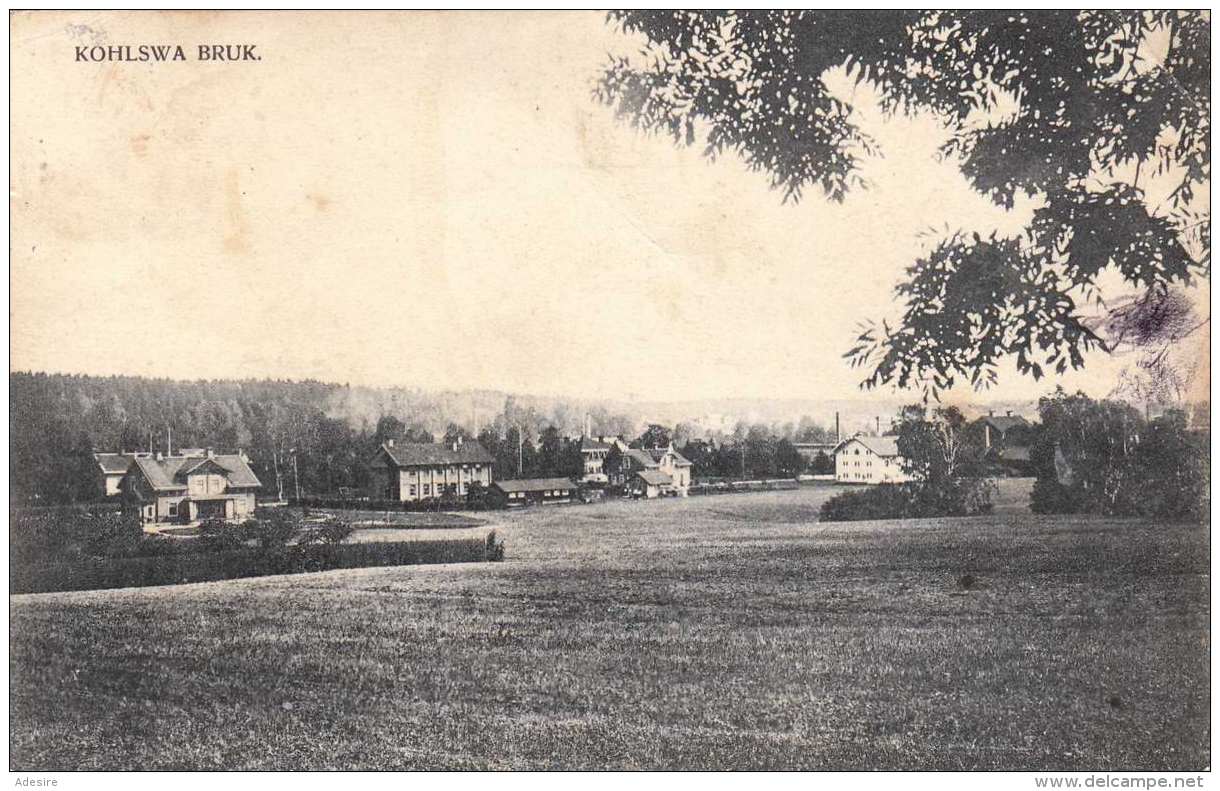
point(520, 458)
point(296, 480)
point(743, 458)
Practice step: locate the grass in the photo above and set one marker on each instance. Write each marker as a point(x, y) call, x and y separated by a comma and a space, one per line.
point(709, 632)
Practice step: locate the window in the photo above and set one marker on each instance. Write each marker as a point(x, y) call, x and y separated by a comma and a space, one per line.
point(413, 490)
point(173, 509)
point(427, 489)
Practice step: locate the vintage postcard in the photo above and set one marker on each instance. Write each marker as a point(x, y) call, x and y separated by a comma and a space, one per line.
point(643, 390)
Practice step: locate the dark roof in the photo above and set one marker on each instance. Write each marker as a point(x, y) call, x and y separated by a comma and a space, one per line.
point(654, 477)
point(534, 484)
point(642, 456)
point(588, 443)
point(652, 457)
point(435, 454)
point(169, 473)
point(114, 463)
point(1002, 423)
point(882, 446)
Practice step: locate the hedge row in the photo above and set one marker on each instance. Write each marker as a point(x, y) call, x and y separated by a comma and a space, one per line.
point(96, 573)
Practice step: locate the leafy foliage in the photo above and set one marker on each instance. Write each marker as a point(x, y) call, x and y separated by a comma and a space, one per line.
point(1055, 104)
point(1104, 457)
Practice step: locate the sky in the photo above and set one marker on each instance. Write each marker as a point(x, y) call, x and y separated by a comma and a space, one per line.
point(435, 200)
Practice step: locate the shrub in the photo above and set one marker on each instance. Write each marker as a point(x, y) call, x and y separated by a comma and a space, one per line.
point(110, 534)
point(494, 549)
point(275, 529)
point(217, 535)
point(884, 501)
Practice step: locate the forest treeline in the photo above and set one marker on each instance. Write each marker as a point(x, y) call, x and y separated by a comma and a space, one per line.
point(57, 421)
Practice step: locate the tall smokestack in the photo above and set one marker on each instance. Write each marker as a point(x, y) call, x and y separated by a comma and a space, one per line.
point(878, 425)
point(838, 436)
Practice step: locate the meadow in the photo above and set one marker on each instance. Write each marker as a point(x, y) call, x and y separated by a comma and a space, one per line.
point(712, 632)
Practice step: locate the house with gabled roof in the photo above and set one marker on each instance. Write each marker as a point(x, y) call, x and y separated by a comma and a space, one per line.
point(191, 488)
point(996, 429)
point(412, 471)
point(113, 467)
point(872, 460)
point(666, 461)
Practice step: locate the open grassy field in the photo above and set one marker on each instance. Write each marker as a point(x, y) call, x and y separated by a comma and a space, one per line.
point(713, 632)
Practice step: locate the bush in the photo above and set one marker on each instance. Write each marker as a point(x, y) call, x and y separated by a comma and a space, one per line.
point(884, 501)
point(494, 549)
point(217, 535)
point(273, 530)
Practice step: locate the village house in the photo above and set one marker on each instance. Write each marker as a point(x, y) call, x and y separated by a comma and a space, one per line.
point(865, 459)
point(649, 484)
point(1006, 440)
point(411, 471)
point(672, 471)
point(593, 452)
point(113, 467)
point(532, 491)
point(998, 430)
point(191, 486)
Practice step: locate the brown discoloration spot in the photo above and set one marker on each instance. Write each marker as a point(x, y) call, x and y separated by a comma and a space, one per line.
point(320, 202)
point(236, 239)
point(139, 144)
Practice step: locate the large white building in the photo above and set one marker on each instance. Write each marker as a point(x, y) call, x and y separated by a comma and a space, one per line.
point(861, 459)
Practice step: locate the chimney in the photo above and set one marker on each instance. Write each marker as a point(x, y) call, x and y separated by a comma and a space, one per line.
point(1008, 412)
point(389, 443)
point(211, 453)
point(878, 425)
point(838, 436)
point(158, 455)
point(990, 413)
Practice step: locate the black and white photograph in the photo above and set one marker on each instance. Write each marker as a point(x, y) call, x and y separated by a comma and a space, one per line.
point(805, 391)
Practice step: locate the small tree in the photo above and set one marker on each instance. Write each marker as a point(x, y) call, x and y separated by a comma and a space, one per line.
point(822, 464)
point(613, 464)
point(655, 436)
point(217, 535)
point(476, 494)
point(946, 468)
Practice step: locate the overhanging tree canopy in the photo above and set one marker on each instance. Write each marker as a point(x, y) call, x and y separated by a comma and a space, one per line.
point(1076, 108)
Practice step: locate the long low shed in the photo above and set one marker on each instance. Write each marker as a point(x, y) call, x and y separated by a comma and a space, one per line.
point(534, 491)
